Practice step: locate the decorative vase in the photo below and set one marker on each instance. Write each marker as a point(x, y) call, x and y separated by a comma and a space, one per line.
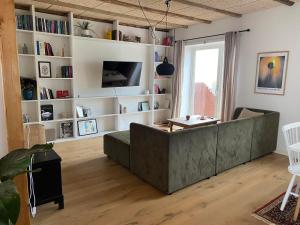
point(86, 33)
point(28, 94)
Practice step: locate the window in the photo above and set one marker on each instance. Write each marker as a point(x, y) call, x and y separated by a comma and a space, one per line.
point(205, 74)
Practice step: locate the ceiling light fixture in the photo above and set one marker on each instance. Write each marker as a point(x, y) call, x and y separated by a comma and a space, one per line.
point(165, 68)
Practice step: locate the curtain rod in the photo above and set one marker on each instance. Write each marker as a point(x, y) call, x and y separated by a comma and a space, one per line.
point(215, 35)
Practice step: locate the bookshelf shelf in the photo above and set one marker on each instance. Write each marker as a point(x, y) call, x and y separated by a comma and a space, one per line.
point(29, 101)
point(39, 33)
point(56, 100)
point(97, 116)
point(25, 31)
point(133, 96)
point(166, 94)
point(57, 120)
point(94, 97)
point(160, 110)
point(54, 56)
point(56, 78)
point(25, 55)
point(138, 112)
point(31, 123)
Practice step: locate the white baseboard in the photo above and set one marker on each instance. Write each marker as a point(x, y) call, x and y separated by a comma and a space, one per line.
point(281, 152)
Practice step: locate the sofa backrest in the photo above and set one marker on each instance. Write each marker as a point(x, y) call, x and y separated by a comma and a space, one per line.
point(192, 155)
point(265, 131)
point(234, 143)
point(238, 111)
point(171, 161)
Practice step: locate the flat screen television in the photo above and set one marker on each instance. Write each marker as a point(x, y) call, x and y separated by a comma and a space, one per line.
point(121, 74)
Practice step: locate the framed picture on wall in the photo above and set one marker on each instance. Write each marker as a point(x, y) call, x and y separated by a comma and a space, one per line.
point(271, 72)
point(44, 69)
point(87, 127)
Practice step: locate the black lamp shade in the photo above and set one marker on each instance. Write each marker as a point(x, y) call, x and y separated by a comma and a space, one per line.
point(165, 68)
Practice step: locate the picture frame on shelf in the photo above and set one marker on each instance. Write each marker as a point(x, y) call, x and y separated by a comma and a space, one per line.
point(271, 72)
point(87, 112)
point(145, 106)
point(66, 129)
point(47, 112)
point(79, 111)
point(87, 127)
point(44, 69)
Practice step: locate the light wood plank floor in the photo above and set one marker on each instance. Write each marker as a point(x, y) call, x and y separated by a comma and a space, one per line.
point(98, 191)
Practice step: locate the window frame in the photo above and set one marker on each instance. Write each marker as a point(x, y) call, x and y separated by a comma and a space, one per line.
point(213, 45)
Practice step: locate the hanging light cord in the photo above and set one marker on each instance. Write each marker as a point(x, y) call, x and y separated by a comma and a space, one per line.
point(167, 2)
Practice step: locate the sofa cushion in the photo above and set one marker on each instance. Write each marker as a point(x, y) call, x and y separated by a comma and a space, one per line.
point(123, 136)
point(117, 147)
point(246, 113)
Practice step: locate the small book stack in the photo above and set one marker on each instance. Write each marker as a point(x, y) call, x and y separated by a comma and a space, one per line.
point(52, 26)
point(46, 93)
point(66, 72)
point(24, 22)
point(44, 48)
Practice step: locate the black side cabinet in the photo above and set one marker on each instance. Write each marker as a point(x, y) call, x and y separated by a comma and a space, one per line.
point(47, 182)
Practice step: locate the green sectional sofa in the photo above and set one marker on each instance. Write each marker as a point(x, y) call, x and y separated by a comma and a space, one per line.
point(172, 161)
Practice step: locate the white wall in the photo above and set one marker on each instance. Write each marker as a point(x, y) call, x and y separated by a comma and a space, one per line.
point(275, 29)
point(3, 137)
point(89, 55)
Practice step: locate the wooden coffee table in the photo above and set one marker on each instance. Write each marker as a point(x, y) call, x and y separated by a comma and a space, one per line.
point(194, 121)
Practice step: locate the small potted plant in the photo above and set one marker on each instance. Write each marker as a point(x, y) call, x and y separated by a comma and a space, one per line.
point(85, 27)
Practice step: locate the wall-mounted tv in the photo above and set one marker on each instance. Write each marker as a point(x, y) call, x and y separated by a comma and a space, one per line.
point(121, 74)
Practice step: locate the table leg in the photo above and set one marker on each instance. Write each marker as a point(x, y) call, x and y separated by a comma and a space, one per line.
point(171, 126)
point(297, 210)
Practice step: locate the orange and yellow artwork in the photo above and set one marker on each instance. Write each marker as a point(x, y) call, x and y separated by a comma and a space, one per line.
point(271, 72)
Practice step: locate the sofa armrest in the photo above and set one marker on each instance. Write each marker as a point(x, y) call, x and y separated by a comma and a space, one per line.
point(265, 133)
point(149, 155)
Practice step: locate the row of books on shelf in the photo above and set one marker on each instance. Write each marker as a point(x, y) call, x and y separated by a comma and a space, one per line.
point(44, 48)
point(66, 71)
point(24, 22)
point(52, 26)
point(46, 93)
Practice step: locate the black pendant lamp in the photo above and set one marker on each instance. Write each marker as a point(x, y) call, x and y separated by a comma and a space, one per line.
point(165, 68)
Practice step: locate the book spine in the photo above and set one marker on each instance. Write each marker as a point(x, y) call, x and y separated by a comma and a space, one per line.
point(38, 47)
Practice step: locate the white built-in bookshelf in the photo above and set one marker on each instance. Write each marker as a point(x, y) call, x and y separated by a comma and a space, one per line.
point(85, 55)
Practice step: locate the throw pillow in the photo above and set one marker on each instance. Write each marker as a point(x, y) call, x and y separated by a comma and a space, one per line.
point(246, 113)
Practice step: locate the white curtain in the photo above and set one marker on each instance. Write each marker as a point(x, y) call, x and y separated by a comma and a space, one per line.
point(178, 79)
point(230, 72)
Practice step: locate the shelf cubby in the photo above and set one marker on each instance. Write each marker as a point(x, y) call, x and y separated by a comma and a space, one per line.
point(30, 108)
point(61, 109)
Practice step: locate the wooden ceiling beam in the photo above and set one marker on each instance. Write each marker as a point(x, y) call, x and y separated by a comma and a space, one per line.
point(202, 6)
point(108, 13)
point(156, 11)
point(285, 2)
